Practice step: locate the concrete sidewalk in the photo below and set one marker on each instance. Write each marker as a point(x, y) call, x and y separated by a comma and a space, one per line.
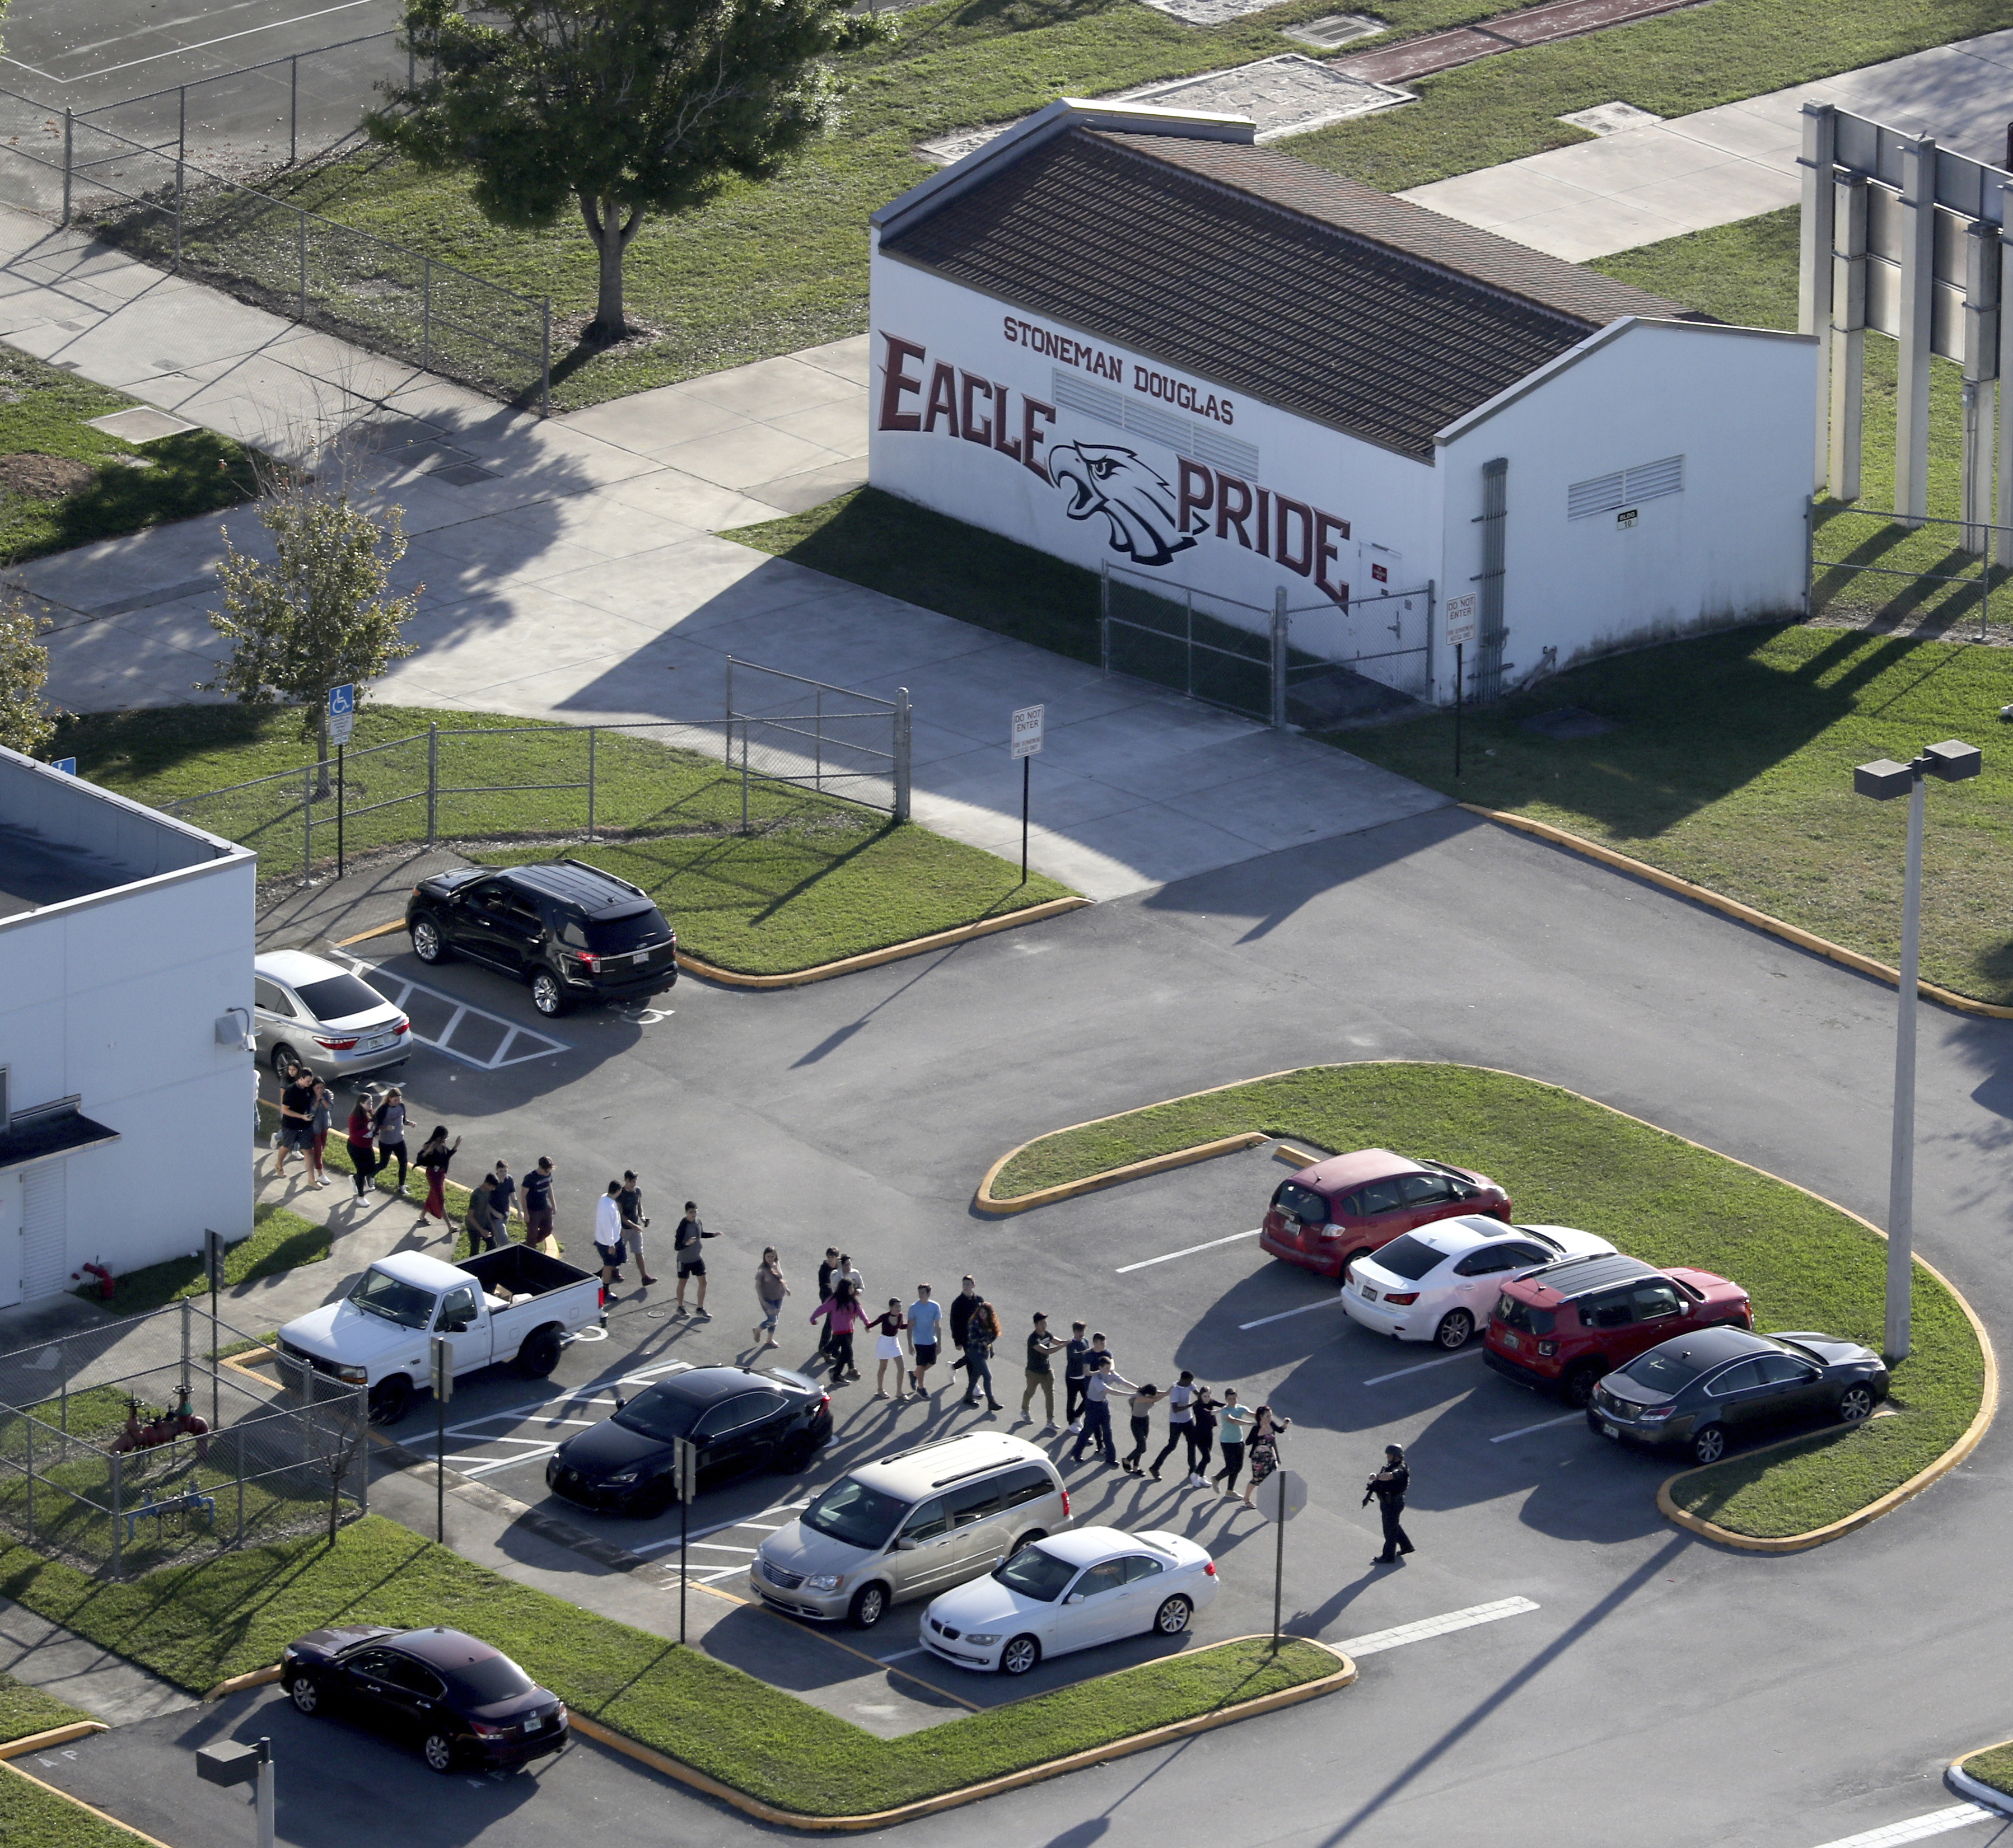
point(1645, 184)
point(571, 572)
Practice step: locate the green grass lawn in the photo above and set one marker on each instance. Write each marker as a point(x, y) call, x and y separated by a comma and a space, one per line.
point(196, 1625)
point(24, 1710)
point(815, 880)
point(34, 1816)
point(1994, 1767)
point(768, 269)
point(1571, 1162)
point(279, 1241)
point(43, 412)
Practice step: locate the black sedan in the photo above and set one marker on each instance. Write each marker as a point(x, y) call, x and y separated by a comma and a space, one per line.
point(460, 1701)
point(1701, 1391)
point(740, 1419)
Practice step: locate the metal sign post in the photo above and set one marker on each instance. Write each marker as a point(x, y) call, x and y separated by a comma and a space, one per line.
point(1281, 1496)
point(1026, 744)
point(687, 1466)
point(1460, 631)
point(442, 1367)
point(341, 723)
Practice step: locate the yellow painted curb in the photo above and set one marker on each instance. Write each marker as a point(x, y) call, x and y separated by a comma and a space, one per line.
point(55, 1735)
point(1746, 914)
point(872, 959)
point(1988, 1403)
point(259, 1678)
point(1976, 1789)
point(77, 1804)
point(383, 930)
point(1066, 1190)
point(1298, 1158)
point(949, 1799)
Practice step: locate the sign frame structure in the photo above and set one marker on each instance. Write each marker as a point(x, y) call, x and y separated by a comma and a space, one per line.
point(1024, 735)
point(1279, 1505)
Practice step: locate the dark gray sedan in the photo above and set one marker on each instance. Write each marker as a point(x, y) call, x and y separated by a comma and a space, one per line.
point(1702, 1392)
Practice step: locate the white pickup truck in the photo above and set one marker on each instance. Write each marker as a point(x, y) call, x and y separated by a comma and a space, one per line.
point(512, 1304)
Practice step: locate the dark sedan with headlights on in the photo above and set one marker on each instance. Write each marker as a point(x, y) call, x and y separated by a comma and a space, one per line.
point(1704, 1391)
point(461, 1702)
point(741, 1418)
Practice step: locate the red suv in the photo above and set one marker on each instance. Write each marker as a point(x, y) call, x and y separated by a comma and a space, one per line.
point(1560, 1328)
point(1329, 1215)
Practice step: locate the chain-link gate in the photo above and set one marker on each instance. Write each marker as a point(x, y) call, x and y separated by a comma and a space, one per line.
point(1315, 666)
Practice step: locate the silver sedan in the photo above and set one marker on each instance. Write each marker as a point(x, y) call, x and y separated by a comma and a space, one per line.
point(315, 1013)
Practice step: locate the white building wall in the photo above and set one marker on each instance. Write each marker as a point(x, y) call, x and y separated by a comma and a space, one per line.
point(115, 999)
point(1046, 373)
point(1729, 548)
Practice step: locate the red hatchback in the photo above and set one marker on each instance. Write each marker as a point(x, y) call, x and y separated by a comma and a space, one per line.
point(1327, 1216)
point(1560, 1328)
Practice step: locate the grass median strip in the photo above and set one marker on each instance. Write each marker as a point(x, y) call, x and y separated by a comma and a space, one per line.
point(198, 1625)
point(32, 1815)
point(1568, 1160)
point(24, 1711)
point(814, 879)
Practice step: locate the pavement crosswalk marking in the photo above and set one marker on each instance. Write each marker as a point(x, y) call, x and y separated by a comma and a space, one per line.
point(1378, 1640)
point(517, 1045)
point(1919, 1827)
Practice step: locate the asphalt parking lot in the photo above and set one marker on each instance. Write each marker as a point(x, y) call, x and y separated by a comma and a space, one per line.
point(863, 1112)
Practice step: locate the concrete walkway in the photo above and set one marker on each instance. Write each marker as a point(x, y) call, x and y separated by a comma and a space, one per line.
point(59, 1662)
point(1645, 184)
point(571, 572)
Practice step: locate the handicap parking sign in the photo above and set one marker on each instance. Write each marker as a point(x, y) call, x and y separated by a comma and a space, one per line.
point(342, 712)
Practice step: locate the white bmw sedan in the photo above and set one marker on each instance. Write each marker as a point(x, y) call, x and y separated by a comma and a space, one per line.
point(1439, 1283)
point(1070, 1591)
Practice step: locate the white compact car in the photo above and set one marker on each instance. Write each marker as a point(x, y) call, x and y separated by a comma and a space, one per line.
point(1070, 1591)
point(1439, 1283)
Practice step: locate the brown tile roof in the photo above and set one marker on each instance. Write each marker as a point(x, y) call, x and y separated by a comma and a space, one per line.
point(1258, 271)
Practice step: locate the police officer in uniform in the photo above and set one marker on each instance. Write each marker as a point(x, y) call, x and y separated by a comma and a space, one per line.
point(1389, 1485)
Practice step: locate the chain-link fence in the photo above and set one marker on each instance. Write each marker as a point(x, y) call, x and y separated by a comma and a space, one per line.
point(741, 771)
point(167, 212)
point(1869, 565)
point(139, 1444)
point(291, 109)
point(1315, 665)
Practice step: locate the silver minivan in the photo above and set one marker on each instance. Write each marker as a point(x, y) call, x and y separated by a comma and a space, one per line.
point(910, 1526)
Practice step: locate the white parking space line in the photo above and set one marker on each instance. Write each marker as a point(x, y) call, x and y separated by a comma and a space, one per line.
point(1397, 1638)
point(902, 1655)
point(1919, 1827)
point(722, 1546)
point(1444, 1360)
point(1526, 1431)
point(468, 1458)
point(722, 1526)
point(538, 1045)
point(1334, 1302)
point(1186, 1251)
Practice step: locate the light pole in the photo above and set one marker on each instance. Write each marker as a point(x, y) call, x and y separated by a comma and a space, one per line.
point(1953, 761)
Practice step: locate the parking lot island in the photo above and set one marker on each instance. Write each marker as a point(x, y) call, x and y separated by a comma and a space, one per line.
point(1986, 1776)
point(717, 1729)
point(1566, 1158)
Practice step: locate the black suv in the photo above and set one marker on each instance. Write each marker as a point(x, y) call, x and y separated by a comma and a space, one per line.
point(572, 931)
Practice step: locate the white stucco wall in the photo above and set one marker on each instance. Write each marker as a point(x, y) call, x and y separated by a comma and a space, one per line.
point(1734, 402)
point(1389, 503)
point(114, 999)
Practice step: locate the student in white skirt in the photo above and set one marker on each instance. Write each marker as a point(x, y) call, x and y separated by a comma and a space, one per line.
point(888, 1328)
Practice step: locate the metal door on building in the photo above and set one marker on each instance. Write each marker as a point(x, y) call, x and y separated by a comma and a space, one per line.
point(45, 1230)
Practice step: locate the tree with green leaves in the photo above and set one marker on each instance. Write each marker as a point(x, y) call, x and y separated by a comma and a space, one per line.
point(624, 107)
point(316, 616)
point(26, 723)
